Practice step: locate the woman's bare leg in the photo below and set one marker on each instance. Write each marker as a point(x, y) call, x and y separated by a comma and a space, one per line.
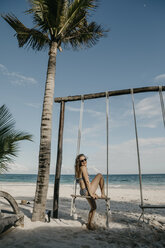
point(98, 180)
point(92, 211)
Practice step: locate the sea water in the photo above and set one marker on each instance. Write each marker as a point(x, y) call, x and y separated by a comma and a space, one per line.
point(155, 180)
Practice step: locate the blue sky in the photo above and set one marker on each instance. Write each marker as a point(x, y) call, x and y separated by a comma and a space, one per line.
point(132, 55)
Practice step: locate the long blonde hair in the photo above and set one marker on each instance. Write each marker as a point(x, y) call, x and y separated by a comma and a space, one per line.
point(78, 164)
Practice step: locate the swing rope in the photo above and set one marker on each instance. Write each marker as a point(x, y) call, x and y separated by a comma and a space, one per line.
point(79, 136)
point(80, 125)
point(107, 140)
point(162, 104)
point(137, 147)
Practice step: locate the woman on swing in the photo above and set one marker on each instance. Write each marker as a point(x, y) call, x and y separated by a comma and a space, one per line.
point(88, 188)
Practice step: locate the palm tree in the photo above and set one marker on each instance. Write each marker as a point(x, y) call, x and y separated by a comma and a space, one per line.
point(57, 23)
point(9, 139)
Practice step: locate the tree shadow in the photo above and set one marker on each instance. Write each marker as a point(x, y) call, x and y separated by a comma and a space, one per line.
point(124, 228)
point(75, 236)
point(121, 209)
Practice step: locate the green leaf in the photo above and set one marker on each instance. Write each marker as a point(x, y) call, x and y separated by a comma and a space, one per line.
point(9, 138)
point(25, 36)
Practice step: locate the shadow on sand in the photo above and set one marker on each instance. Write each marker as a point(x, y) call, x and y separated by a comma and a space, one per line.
point(124, 231)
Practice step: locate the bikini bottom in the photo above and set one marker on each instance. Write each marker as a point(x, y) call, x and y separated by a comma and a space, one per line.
point(83, 192)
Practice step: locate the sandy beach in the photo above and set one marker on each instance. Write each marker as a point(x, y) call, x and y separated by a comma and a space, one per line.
point(124, 228)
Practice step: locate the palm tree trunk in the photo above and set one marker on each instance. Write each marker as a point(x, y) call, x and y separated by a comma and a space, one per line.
point(45, 139)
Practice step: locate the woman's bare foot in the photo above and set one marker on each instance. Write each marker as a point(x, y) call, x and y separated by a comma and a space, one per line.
point(91, 227)
point(103, 196)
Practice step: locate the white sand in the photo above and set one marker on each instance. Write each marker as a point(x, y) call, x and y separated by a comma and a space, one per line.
point(124, 231)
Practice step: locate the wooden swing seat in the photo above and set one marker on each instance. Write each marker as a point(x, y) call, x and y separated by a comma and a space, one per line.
point(151, 206)
point(106, 199)
point(89, 197)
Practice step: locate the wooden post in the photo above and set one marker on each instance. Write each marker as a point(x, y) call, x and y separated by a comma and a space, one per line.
point(58, 161)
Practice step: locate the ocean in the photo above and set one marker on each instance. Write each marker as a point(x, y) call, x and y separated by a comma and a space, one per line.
point(154, 180)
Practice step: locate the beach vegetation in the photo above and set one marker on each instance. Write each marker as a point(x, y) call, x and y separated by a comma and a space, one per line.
point(58, 24)
point(9, 139)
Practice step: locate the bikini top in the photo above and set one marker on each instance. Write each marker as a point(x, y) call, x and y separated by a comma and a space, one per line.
point(79, 179)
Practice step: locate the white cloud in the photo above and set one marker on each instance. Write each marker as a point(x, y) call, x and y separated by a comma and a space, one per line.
point(33, 105)
point(148, 111)
point(89, 111)
point(16, 168)
point(70, 140)
point(17, 78)
point(3, 69)
point(149, 125)
point(156, 142)
point(93, 170)
point(94, 130)
point(123, 157)
point(160, 78)
point(148, 107)
point(66, 170)
point(72, 109)
point(95, 113)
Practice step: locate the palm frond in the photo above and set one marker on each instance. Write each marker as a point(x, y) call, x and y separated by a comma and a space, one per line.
point(85, 36)
point(39, 13)
point(18, 136)
point(25, 36)
point(48, 14)
point(57, 13)
point(72, 23)
point(3, 167)
point(9, 138)
point(76, 16)
point(85, 5)
point(74, 11)
point(6, 121)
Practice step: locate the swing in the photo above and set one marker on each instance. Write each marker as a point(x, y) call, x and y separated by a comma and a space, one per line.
point(108, 94)
point(74, 196)
point(142, 205)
